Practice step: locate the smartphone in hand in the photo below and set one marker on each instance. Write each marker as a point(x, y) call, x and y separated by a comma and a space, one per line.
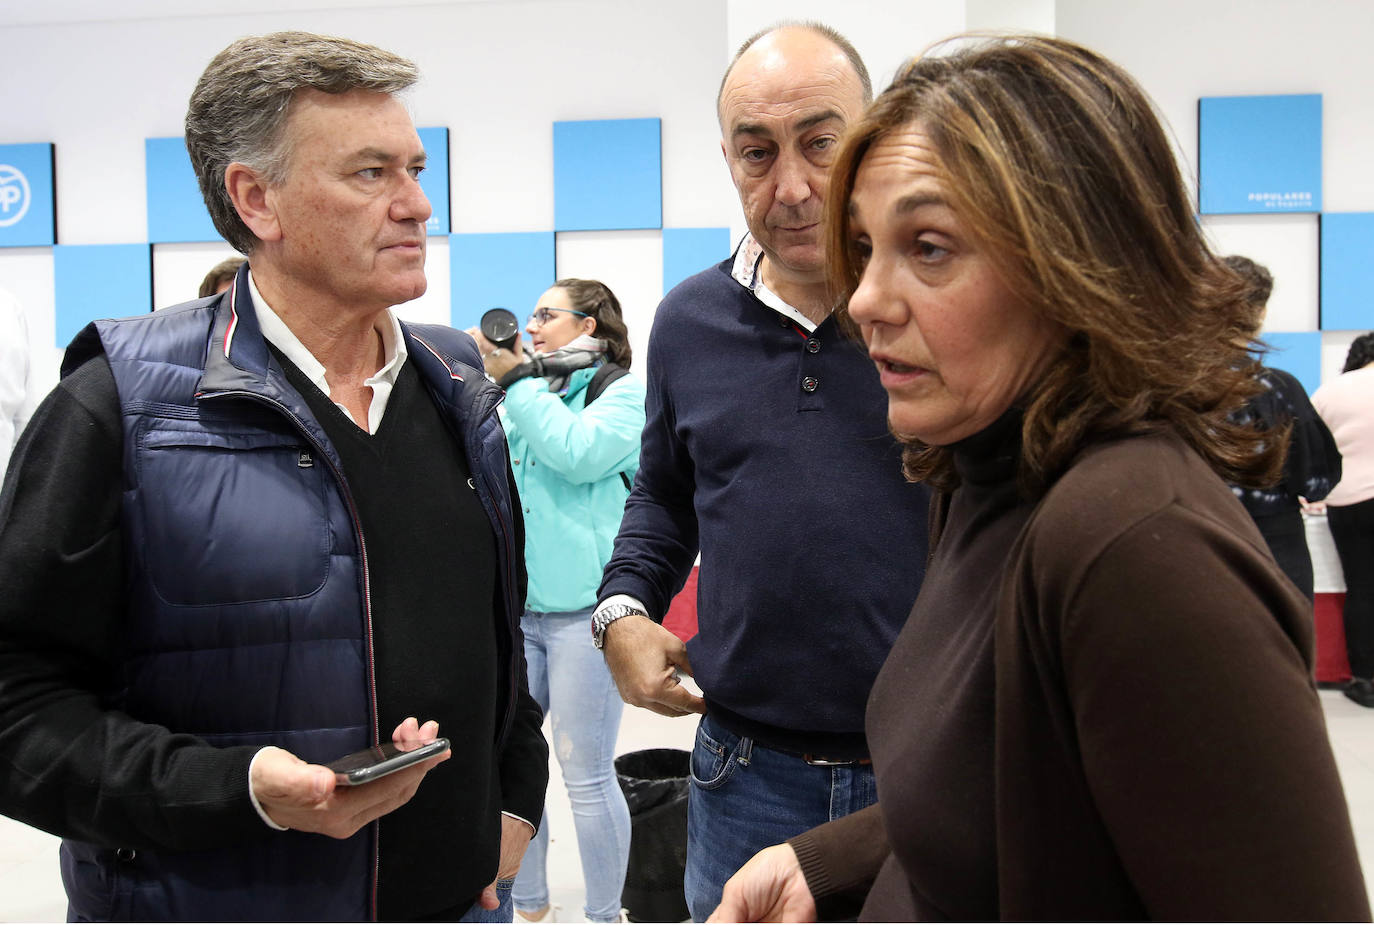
point(368, 765)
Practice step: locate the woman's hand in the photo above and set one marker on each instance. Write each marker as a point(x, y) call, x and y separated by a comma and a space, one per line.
point(484, 346)
point(496, 360)
point(501, 361)
point(770, 888)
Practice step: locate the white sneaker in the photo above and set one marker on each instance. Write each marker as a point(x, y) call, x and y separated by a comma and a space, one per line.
point(550, 914)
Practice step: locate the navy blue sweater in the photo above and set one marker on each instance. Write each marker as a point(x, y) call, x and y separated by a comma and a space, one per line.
point(768, 451)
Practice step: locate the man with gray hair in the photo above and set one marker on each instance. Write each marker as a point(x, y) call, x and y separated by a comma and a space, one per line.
point(268, 528)
point(766, 449)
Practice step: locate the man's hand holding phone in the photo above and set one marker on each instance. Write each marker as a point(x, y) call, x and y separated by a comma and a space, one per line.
point(307, 797)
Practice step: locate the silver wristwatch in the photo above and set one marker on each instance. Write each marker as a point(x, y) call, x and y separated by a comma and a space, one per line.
point(604, 618)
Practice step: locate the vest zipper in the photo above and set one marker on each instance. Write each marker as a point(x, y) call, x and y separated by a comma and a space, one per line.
point(367, 593)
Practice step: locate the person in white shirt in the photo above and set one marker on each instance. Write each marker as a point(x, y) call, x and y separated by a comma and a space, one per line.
point(14, 374)
point(1346, 404)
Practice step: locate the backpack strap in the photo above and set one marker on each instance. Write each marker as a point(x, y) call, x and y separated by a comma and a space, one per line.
point(603, 377)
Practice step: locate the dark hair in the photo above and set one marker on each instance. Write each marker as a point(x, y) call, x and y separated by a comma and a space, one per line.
point(1260, 282)
point(241, 104)
point(1054, 159)
point(821, 29)
point(595, 298)
point(1361, 353)
point(221, 273)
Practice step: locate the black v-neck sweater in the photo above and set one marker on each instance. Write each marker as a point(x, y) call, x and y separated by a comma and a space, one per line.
point(431, 585)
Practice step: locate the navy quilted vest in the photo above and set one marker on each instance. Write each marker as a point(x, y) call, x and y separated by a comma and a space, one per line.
point(247, 621)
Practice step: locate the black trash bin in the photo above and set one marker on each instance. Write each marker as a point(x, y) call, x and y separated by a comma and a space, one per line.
point(655, 784)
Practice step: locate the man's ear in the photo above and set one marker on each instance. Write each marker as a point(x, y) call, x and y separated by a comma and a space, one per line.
point(249, 194)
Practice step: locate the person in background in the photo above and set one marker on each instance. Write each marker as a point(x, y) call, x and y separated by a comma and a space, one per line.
point(221, 276)
point(766, 449)
point(1346, 404)
point(573, 416)
point(1102, 707)
point(255, 533)
point(14, 375)
point(1312, 464)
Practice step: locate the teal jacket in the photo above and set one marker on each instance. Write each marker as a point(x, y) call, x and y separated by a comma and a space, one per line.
point(567, 461)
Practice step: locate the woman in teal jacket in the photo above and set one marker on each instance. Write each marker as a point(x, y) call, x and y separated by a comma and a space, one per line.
point(574, 462)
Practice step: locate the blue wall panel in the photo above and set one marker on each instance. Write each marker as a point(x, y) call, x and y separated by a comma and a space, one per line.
point(1347, 271)
point(176, 209)
point(27, 196)
point(93, 281)
point(607, 175)
point(1296, 352)
point(434, 180)
point(1260, 154)
point(688, 251)
point(490, 270)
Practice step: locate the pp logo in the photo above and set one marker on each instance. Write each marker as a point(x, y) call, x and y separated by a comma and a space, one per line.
point(14, 195)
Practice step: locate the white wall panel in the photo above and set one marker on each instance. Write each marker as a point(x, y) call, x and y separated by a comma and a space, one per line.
point(433, 307)
point(1335, 345)
point(998, 15)
point(26, 272)
point(629, 262)
point(179, 269)
point(1285, 244)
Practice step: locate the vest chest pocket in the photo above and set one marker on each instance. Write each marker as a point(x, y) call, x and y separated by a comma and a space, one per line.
point(226, 517)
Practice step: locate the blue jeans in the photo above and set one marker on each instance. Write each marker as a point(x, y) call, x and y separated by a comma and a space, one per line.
point(744, 797)
point(502, 913)
point(569, 679)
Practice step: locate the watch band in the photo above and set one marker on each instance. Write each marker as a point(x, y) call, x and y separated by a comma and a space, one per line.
point(604, 618)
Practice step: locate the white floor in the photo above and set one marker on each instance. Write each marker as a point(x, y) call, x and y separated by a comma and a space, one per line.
point(31, 891)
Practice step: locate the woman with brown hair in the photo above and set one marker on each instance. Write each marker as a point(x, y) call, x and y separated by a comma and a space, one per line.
point(1102, 704)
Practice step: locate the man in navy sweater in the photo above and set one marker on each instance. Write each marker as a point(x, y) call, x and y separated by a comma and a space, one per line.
point(766, 450)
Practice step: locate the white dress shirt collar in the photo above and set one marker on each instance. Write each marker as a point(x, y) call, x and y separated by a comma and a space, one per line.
point(746, 272)
point(381, 382)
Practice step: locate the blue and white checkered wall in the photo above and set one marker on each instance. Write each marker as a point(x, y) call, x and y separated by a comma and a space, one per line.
point(607, 178)
point(1261, 157)
point(1257, 155)
point(99, 82)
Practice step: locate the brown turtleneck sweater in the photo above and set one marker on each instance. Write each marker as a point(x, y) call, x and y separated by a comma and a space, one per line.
point(1101, 708)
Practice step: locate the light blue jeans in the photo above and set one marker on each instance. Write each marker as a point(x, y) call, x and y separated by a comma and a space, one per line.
point(744, 797)
point(569, 679)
